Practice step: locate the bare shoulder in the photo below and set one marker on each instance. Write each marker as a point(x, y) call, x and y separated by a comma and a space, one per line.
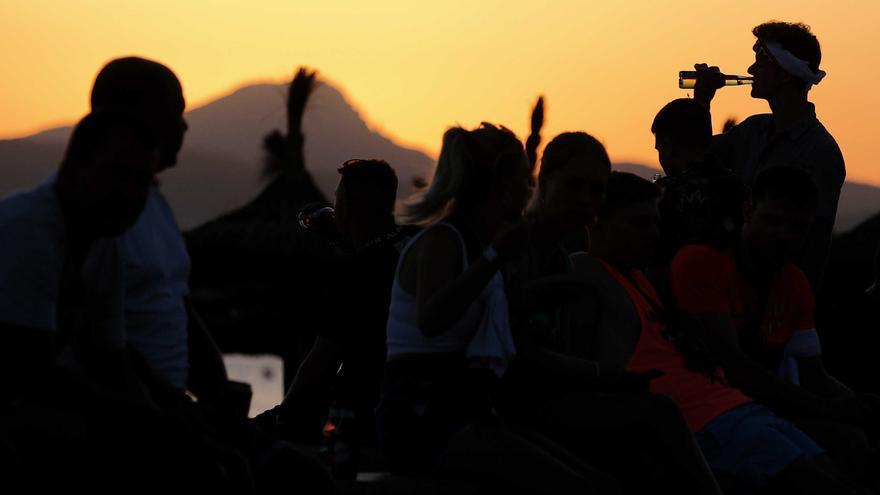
point(439, 245)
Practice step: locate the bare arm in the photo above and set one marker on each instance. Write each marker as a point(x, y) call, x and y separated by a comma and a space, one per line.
point(720, 336)
point(443, 291)
point(534, 139)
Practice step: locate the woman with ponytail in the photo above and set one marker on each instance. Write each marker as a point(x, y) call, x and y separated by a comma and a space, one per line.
point(449, 337)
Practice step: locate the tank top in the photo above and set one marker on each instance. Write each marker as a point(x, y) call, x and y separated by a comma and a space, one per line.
point(404, 334)
point(700, 399)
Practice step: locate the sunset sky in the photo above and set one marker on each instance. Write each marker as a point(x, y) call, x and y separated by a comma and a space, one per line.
point(414, 68)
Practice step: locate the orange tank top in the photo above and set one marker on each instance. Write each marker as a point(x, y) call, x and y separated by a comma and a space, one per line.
point(700, 398)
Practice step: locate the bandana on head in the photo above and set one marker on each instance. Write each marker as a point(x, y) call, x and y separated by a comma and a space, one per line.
point(791, 64)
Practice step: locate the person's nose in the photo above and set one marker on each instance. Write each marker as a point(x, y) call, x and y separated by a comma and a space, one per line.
point(751, 69)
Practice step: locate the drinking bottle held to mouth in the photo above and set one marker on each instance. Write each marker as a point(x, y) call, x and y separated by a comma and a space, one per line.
point(687, 79)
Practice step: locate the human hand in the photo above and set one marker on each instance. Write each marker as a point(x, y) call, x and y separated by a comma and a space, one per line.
point(709, 80)
point(534, 139)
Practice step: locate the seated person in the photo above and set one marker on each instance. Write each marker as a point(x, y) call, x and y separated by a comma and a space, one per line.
point(740, 439)
point(449, 337)
point(605, 414)
point(61, 319)
point(357, 311)
point(60, 294)
point(755, 309)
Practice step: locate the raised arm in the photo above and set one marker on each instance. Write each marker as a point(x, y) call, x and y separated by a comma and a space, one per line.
point(534, 140)
point(443, 291)
point(709, 80)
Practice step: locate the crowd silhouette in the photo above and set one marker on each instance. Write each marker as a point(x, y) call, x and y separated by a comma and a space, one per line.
point(529, 323)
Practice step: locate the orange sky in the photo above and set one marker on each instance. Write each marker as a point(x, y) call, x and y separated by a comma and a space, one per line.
point(414, 68)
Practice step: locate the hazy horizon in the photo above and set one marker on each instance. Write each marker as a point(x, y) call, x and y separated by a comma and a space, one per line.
point(413, 71)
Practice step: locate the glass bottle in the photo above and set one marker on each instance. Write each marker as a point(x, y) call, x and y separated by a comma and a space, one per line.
point(687, 79)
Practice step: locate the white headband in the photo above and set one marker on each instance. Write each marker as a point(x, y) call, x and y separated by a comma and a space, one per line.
point(793, 65)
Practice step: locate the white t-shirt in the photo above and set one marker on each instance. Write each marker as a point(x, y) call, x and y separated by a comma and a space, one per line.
point(156, 273)
point(33, 276)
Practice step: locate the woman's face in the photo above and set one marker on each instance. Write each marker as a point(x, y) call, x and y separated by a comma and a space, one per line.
point(574, 192)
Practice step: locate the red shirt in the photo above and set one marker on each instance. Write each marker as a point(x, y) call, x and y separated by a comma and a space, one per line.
point(707, 280)
point(700, 399)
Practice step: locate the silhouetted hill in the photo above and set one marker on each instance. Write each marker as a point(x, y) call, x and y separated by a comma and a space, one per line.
point(221, 163)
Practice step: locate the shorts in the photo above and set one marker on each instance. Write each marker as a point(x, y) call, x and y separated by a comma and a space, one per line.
point(751, 444)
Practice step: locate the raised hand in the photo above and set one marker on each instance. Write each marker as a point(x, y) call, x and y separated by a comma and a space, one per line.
point(534, 139)
point(709, 80)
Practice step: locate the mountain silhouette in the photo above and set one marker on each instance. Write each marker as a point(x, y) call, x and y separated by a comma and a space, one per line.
point(220, 166)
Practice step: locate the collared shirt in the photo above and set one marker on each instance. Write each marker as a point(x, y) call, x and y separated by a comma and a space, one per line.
point(756, 144)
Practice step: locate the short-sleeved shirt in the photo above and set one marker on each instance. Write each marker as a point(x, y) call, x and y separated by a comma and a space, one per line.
point(41, 289)
point(708, 280)
point(157, 270)
point(701, 398)
point(755, 144)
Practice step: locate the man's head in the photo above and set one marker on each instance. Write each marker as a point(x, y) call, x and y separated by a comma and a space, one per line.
point(683, 134)
point(780, 45)
point(104, 179)
point(573, 177)
point(628, 223)
point(778, 215)
point(365, 195)
point(150, 91)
